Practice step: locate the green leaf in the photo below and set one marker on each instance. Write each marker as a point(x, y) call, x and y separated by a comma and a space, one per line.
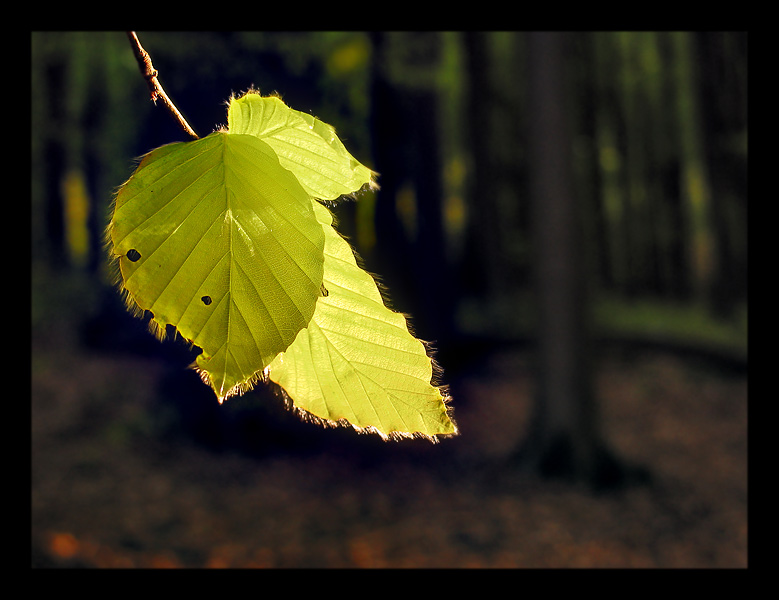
point(218, 239)
point(223, 239)
point(305, 145)
point(357, 361)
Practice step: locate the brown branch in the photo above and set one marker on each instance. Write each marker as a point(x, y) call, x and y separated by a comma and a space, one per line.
point(150, 75)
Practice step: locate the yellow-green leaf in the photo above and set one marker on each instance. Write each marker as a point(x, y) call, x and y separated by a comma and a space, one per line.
point(357, 361)
point(306, 146)
point(216, 238)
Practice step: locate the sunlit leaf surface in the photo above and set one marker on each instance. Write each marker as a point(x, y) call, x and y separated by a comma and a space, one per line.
point(305, 145)
point(357, 361)
point(224, 239)
point(216, 238)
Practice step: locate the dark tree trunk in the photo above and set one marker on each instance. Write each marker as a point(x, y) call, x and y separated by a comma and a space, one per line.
point(412, 261)
point(485, 253)
point(565, 439)
point(722, 93)
point(54, 157)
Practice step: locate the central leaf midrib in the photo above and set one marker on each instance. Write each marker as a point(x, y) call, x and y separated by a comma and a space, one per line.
point(235, 318)
point(228, 211)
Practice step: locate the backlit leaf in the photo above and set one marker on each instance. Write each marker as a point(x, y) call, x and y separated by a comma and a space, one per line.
point(223, 238)
point(216, 238)
point(357, 361)
point(305, 145)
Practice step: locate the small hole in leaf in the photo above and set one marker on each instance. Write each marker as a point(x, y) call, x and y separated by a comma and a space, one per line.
point(133, 255)
point(206, 300)
point(324, 291)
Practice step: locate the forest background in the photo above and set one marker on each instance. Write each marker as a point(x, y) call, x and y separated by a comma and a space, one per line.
point(658, 148)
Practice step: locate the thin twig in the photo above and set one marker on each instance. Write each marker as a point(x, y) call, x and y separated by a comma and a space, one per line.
point(150, 75)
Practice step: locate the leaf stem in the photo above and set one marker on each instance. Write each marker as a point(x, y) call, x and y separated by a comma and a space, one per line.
point(150, 75)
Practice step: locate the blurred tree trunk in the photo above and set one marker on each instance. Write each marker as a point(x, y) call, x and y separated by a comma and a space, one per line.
point(485, 250)
point(565, 438)
point(411, 248)
point(695, 188)
point(52, 243)
point(607, 110)
point(721, 58)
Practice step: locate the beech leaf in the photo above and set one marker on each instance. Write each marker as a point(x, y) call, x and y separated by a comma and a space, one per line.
point(356, 362)
point(216, 238)
point(305, 145)
point(224, 238)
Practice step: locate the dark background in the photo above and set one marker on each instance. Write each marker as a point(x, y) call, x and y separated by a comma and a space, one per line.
point(640, 461)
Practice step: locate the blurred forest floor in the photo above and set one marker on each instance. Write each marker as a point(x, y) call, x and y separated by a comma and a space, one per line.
point(114, 484)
